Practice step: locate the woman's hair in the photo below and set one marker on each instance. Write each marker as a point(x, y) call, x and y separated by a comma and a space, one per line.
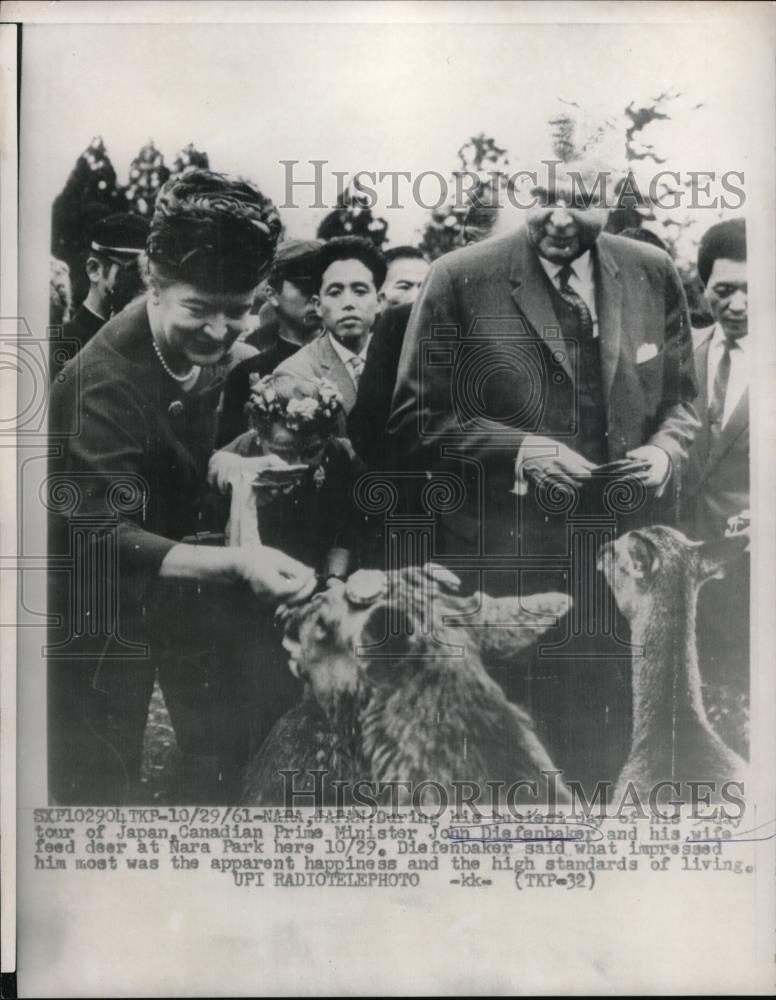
point(307, 406)
point(213, 232)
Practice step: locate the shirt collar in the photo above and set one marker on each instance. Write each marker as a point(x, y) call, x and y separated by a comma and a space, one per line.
point(344, 353)
point(93, 313)
point(718, 340)
point(582, 267)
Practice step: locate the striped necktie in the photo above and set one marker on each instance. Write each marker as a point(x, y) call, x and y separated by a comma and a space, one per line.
point(356, 365)
point(719, 389)
point(575, 300)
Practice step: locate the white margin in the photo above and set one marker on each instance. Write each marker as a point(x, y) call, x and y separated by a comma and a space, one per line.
point(8, 543)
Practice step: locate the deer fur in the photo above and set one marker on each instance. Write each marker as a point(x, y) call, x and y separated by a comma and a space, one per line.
point(403, 686)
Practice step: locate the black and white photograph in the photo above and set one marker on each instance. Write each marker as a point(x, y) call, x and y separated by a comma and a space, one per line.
point(384, 509)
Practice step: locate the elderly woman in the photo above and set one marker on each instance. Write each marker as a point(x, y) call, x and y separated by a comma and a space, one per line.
point(133, 422)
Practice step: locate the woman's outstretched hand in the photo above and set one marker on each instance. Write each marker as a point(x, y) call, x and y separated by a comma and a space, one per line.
point(273, 575)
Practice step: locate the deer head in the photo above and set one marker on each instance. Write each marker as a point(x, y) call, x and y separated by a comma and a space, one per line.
point(379, 629)
point(659, 564)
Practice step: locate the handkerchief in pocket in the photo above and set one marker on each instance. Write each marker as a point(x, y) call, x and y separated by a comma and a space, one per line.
point(646, 352)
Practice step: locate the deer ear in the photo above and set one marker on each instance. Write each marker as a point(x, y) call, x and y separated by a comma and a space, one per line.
point(446, 580)
point(645, 558)
point(717, 555)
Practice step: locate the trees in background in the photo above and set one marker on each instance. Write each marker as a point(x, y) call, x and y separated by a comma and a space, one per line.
point(353, 216)
point(147, 173)
point(483, 171)
point(91, 192)
point(476, 187)
point(190, 156)
point(624, 144)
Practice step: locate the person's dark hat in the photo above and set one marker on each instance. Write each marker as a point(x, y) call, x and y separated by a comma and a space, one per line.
point(123, 235)
point(296, 260)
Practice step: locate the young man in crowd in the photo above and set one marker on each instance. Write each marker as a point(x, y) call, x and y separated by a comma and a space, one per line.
point(407, 267)
point(352, 272)
point(292, 285)
point(115, 243)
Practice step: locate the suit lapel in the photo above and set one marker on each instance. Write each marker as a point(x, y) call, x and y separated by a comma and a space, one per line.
point(335, 371)
point(609, 304)
point(529, 290)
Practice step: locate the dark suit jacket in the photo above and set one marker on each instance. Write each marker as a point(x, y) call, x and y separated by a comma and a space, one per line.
point(128, 481)
point(76, 334)
point(368, 418)
point(484, 363)
point(318, 359)
point(718, 475)
point(120, 422)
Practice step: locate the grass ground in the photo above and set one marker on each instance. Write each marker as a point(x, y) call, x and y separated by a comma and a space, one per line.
point(160, 753)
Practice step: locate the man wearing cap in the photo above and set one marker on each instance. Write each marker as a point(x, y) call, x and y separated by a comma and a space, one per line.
point(115, 244)
point(292, 287)
point(290, 304)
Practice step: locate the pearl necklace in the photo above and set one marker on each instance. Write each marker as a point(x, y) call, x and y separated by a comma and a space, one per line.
point(170, 372)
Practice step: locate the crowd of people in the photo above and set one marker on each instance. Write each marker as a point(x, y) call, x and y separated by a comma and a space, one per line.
point(212, 371)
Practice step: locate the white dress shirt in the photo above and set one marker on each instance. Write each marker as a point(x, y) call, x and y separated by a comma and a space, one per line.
point(582, 280)
point(345, 354)
point(739, 369)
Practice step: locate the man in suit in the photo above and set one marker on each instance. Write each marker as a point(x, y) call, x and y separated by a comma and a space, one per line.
point(718, 479)
point(293, 286)
point(719, 459)
point(563, 343)
point(352, 270)
point(530, 361)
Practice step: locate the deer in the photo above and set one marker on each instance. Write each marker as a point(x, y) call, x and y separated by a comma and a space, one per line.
point(397, 688)
point(655, 574)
